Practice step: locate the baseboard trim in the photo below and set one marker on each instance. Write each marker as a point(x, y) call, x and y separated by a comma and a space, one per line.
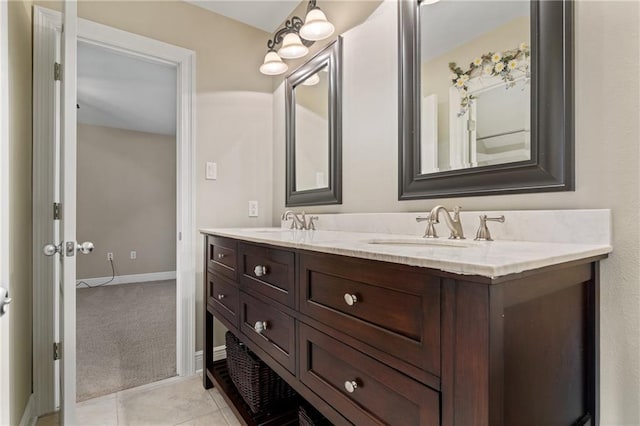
point(198, 361)
point(130, 279)
point(29, 417)
point(219, 352)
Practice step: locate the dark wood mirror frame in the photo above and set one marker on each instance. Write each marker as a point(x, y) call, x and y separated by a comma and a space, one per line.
point(551, 167)
point(331, 56)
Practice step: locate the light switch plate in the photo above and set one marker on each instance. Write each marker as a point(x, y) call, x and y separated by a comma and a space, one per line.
point(253, 209)
point(211, 171)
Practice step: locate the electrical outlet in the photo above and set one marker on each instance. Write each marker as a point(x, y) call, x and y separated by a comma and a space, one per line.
point(253, 209)
point(109, 256)
point(133, 255)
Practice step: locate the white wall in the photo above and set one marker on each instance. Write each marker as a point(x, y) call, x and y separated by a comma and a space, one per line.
point(607, 53)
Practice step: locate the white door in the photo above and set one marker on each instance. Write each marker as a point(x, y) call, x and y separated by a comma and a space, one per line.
point(67, 247)
point(4, 220)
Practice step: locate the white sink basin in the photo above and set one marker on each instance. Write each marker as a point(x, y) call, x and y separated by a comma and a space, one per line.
point(422, 242)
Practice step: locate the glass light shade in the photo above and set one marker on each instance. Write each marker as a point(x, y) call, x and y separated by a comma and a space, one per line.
point(316, 27)
point(273, 64)
point(312, 81)
point(292, 47)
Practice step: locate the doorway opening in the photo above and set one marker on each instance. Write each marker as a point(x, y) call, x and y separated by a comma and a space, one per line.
point(126, 206)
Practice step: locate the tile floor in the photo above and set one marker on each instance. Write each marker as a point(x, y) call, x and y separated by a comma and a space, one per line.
point(176, 401)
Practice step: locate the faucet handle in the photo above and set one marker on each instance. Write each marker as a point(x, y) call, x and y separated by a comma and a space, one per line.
point(423, 218)
point(483, 233)
point(312, 225)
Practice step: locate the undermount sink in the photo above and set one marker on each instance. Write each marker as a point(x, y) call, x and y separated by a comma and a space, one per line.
point(421, 242)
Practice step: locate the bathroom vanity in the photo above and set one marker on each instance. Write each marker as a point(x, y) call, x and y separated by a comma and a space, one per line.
point(375, 328)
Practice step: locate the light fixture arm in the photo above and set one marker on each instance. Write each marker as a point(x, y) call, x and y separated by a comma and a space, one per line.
point(292, 25)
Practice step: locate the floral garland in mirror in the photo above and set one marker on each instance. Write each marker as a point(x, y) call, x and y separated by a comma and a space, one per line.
point(504, 65)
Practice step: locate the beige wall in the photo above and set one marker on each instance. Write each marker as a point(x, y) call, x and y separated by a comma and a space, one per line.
point(607, 53)
point(126, 200)
point(20, 246)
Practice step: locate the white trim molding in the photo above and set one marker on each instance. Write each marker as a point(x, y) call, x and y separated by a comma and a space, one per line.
point(46, 23)
point(29, 417)
point(127, 279)
point(219, 352)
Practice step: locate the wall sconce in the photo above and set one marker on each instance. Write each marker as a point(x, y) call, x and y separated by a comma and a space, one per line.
point(295, 39)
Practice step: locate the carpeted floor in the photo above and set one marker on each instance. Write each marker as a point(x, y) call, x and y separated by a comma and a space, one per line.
point(126, 336)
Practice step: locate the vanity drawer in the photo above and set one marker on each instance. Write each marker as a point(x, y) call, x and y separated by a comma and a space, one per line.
point(382, 395)
point(278, 338)
point(222, 256)
point(224, 297)
point(268, 271)
point(393, 309)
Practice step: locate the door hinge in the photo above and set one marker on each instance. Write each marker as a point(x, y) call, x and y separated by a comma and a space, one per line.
point(57, 351)
point(471, 125)
point(57, 71)
point(57, 211)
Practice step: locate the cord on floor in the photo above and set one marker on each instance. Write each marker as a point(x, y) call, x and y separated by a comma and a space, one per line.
point(113, 277)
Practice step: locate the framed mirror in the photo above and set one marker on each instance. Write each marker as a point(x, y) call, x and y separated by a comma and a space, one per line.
point(314, 130)
point(486, 97)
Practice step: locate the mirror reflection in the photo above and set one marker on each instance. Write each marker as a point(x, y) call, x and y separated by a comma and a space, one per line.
point(475, 91)
point(312, 131)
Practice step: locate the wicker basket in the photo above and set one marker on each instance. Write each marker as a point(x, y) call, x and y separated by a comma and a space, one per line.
point(260, 387)
point(309, 416)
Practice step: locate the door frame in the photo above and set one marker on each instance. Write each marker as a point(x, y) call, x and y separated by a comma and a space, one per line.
point(5, 370)
point(46, 23)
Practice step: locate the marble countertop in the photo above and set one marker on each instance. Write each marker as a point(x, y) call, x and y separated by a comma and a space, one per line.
point(468, 257)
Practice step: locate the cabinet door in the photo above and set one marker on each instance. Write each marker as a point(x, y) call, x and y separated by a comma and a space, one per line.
point(393, 309)
point(224, 297)
point(271, 329)
point(362, 389)
point(269, 272)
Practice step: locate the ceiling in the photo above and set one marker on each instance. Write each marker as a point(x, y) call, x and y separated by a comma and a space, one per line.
point(266, 15)
point(125, 92)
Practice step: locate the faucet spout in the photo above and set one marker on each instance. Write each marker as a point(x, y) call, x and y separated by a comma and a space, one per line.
point(453, 223)
point(296, 221)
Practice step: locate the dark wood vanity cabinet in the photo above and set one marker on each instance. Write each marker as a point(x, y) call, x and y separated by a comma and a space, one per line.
point(369, 342)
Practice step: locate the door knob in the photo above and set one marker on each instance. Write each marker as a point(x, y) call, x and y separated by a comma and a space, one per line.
point(86, 247)
point(4, 301)
point(51, 249)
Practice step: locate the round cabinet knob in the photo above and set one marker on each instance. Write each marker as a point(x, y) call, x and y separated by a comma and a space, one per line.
point(220, 296)
point(260, 270)
point(86, 247)
point(220, 255)
point(350, 386)
point(350, 299)
point(260, 326)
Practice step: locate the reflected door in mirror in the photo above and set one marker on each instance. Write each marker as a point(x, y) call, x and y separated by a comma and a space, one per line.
point(474, 84)
point(312, 131)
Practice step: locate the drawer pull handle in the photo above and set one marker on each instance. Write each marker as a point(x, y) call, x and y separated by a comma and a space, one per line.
point(260, 270)
point(220, 255)
point(260, 326)
point(351, 386)
point(220, 296)
point(350, 299)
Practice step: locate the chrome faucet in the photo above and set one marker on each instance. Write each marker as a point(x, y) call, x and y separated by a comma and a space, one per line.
point(299, 220)
point(454, 223)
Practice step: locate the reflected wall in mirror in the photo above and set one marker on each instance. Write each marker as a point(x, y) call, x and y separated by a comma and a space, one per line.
point(314, 130)
point(485, 97)
point(475, 83)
